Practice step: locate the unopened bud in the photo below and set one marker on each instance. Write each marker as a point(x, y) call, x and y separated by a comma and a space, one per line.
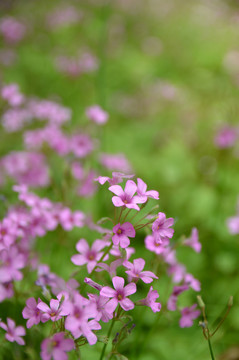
point(200, 302)
point(230, 302)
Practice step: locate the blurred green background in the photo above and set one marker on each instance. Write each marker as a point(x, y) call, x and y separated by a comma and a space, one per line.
point(169, 80)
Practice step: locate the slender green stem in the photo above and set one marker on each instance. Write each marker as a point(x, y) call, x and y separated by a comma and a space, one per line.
point(222, 321)
point(127, 213)
point(108, 336)
point(210, 348)
point(121, 211)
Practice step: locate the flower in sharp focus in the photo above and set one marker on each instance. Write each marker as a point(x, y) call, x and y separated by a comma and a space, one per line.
point(89, 256)
point(14, 333)
point(126, 197)
point(188, 315)
point(161, 226)
point(56, 347)
point(119, 295)
point(122, 232)
point(150, 300)
point(54, 312)
point(135, 271)
point(142, 191)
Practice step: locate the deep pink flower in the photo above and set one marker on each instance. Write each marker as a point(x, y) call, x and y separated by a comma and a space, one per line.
point(135, 271)
point(89, 256)
point(126, 197)
point(150, 300)
point(122, 234)
point(97, 114)
point(142, 191)
point(161, 226)
point(56, 347)
point(193, 241)
point(119, 295)
point(14, 333)
point(31, 312)
point(188, 315)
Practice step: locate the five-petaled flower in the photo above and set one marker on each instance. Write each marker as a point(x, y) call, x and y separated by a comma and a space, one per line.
point(126, 197)
point(119, 295)
point(121, 234)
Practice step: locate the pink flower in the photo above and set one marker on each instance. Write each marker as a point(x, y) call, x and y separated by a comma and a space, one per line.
point(89, 256)
point(192, 282)
point(142, 191)
point(161, 226)
point(97, 115)
point(116, 162)
point(150, 300)
point(233, 225)
point(80, 311)
point(121, 234)
point(14, 333)
point(56, 347)
point(193, 241)
point(156, 244)
point(117, 178)
point(100, 302)
point(31, 312)
point(226, 137)
point(188, 315)
point(119, 295)
point(172, 301)
point(81, 145)
point(111, 269)
point(54, 312)
point(71, 219)
point(135, 271)
point(12, 94)
point(12, 29)
point(126, 198)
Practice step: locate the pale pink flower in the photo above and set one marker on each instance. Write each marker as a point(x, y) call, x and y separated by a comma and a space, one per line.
point(56, 347)
point(233, 225)
point(116, 162)
point(14, 333)
point(162, 226)
point(119, 295)
point(117, 178)
point(142, 191)
point(150, 300)
point(69, 219)
point(192, 282)
point(192, 241)
point(111, 269)
point(135, 271)
point(31, 312)
point(226, 137)
point(54, 312)
point(156, 244)
point(89, 256)
point(188, 315)
point(172, 301)
point(12, 29)
point(100, 302)
point(12, 95)
point(97, 114)
point(126, 197)
point(81, 145)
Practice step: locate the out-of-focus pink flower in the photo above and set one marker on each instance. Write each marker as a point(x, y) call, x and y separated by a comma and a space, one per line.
point(226, 137)
point(27, 168)
point(12, 95)
point(88, 186)
point(119, 295)
point(150, 300)
point(12, 29)
point(56, 347)
point(126, 197)
point(233, 225)
point(192, 241)
point(111, 269)
point(117, 178)
point(116, 162)
point(122, 234)
point(100, 302)
point(135, 271)
point(63, 16)
point(156, 244)
point(190, 280)
point(188, 315)
point(89, 256)
point(14, 333)
point(69, 219)
point(81, 145)
point(31, 312)
point(172, 301)
point(97, 114)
